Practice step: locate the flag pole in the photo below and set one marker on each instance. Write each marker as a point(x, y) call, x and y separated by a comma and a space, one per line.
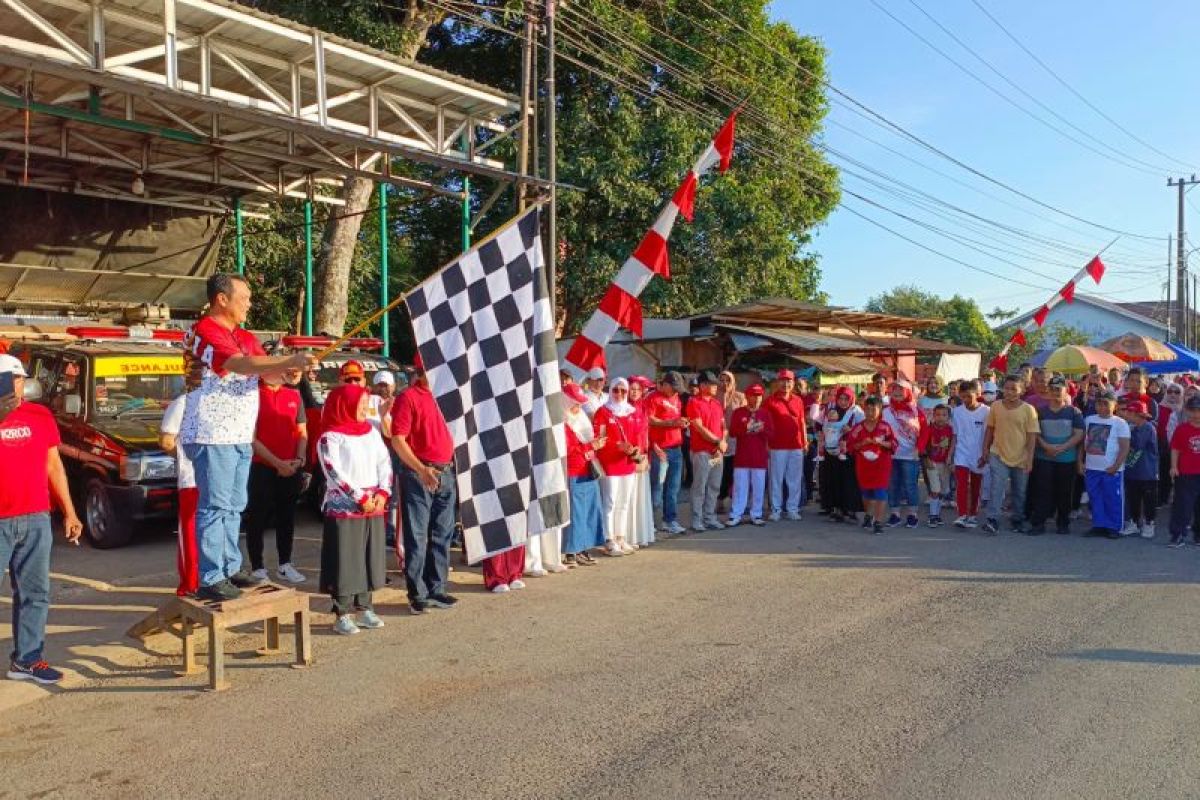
point(362, 326)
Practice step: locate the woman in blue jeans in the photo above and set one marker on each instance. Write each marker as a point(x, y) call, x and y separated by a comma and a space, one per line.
point(908, 424)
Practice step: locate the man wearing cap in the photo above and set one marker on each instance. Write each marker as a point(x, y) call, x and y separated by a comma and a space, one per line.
point(1053, 478)
point(707, 422)
point(30, 473)
point(422, 440)
point(352, 372)
point(218, 429)
point(664, 409)
point(593, 386)
point(788, 442)
point(751, 428)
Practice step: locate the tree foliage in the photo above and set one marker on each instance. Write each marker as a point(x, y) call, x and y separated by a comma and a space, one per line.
point(624, 154)
point(964, 323)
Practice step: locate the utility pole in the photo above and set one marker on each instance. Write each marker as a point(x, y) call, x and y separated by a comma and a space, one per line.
point(551, 161)
point(1170, 252)
point(1181, 290)
point(527, 55)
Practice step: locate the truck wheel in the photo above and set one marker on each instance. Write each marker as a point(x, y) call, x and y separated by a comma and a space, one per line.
point(104, 529)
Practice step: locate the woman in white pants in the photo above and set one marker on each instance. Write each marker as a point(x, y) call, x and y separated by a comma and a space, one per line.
point(750, 427)
point(614, 424)
point(643, 506)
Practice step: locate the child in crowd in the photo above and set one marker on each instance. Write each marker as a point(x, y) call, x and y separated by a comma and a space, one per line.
point(1101, 462)
point(358, 482)
point(937, 462)
point(969, 422)
point(872, 442)
point(1141, 471)
point(1185, 471)
point(911, 431)
point(750, 427)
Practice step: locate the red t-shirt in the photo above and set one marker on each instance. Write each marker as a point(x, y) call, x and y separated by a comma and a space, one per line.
point(1186, 440)
point(26, 436)
point(751, 447)
point(416, 415)
point(938, 449)
point(615, 430)
point(875, 474)
point(578, 455)
point(661, 407)
point(214, 344)
point(280, 412)
point(709, 412)
point(787, 422)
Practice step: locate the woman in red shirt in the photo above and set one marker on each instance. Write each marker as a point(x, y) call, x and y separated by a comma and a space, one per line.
point(873, 442)
point(643, 507)
point(586, 529)
point(615, 423)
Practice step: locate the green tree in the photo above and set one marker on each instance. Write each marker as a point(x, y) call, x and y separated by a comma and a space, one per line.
point(963, 322)
point(1056, 334)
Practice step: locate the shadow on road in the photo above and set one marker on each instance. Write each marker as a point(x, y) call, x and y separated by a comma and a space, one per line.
point(1137, 657)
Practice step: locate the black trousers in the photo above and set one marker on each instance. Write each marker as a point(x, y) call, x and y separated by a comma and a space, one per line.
point(271, 495)
point(1164, 472)
point(1141, 499)
point(1183, 504)
point(838, 486)
point(726, 478)
point(1052, 488)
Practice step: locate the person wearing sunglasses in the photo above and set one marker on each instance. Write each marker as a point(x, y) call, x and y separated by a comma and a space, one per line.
point(352, 372)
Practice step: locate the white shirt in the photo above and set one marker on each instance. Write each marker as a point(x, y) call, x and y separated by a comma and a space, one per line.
point(375, 412)
point(1102, 441)
point(969, 427)
point(353, 466)
point(172, 421)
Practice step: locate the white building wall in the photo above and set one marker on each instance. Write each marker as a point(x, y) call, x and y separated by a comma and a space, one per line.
point(1101, 323)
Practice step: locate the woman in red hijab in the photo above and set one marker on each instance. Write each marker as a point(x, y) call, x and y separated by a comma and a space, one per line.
point(358, 482)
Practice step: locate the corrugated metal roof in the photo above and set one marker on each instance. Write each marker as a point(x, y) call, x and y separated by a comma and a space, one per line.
point(840, 365)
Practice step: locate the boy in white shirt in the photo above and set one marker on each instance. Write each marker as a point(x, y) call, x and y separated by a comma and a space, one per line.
point(1102, 462)
point(969, 420)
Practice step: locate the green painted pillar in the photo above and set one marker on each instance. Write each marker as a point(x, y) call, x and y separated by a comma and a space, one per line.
point(237, 236)
point(384, 298)
point(466, 215)
point(308, 269)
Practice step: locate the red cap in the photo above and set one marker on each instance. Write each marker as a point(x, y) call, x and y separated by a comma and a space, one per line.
point(352, 369)
point(785, 374)
point(1137, 407)
point(756, 391)
point(573, 391)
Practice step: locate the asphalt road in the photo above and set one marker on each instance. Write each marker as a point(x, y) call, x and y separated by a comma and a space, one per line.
point(801, 660)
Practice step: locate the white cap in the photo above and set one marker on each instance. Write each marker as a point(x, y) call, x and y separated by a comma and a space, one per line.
point(595, 374)
point(12, 364)
point(383, 376)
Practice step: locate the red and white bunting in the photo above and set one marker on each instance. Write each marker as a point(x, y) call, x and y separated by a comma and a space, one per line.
point(1094, 269)
point(620, 307)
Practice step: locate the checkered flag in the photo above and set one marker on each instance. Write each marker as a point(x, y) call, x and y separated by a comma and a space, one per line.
point(486, 334)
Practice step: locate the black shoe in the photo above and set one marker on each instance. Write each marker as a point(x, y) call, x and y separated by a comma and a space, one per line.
point(991, 528)
point(442, 600)
point(219, 592)
point(1111, 534)
point(1094, 532)
point(1035, 530)
point(1063, 530)
point(244, 580)
point(866, 523)
point(417, 606)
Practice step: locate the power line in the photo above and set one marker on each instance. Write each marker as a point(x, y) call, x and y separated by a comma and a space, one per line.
point(1073, 91)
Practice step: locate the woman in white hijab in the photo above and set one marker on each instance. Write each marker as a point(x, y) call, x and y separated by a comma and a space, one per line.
point(643, 506)
point(1170, 414)
point(614, 422)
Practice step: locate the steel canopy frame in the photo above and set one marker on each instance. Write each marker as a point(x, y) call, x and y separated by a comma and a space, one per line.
point(196, 103)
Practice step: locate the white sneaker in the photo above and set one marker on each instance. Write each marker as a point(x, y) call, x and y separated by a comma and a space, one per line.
point(962, 521)
point(500, 588)
point(628, 548)
point(613, 550)
point(535, 573)
point(557, 568)
point(1148, 530)
point(370, 620)
point(972, 522)
point(699, 527)
point(1130, 529)
point(774, 517)
point(715, 524)
point(517, 584)
point(794, 515)
point(260, 574)
point(290, 574)
point(675, 528)
point(733, 522)
point(345, 625)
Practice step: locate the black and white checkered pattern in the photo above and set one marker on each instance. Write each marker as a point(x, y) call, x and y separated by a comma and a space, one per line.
point(486, 334)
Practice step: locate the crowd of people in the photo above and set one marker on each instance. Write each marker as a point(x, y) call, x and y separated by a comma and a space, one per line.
point(1031, 446)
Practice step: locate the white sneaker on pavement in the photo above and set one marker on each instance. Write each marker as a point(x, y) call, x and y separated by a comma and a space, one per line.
point(774, 516)
point(370, 620)
point(675, 528)
point(715, 524)
point(517, 584)
point(1148, 530)
point(290, 574)
point(1130, 528)
point(962, 521)
point(345, 625)
point(261, 574)
point(794, 515)
point(500, 588)
point(699, 527)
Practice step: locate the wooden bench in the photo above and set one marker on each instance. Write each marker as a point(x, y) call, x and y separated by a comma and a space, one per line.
point(268, 603)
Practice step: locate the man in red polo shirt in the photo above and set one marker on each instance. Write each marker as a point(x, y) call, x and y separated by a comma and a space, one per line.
point(422, 440)
point(787, 443)
point(664, 409)
point(276, 471)
point(707, 418)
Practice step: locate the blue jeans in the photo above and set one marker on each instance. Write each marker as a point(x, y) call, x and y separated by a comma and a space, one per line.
point(428, 530)
point(1014, 479)
point(222, 472)
point(665, 481)
point(902, 490)
point(25, 548)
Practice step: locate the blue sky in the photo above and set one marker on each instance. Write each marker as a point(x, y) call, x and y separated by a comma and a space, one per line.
point(1137, 62)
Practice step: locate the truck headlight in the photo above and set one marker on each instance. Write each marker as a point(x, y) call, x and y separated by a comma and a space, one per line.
point(142, 467)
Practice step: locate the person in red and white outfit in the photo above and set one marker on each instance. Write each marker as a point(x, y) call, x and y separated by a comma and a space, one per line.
point(643, 502)
point(788, 443)
point(750, 427)
point(187, 557)
point(614, 423)
point(708, 445)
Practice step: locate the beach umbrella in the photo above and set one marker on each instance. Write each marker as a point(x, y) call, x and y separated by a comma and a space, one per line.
point(1075, 359)
point(1135, 347)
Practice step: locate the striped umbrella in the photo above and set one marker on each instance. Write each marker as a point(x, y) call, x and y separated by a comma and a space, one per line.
point(1135, 347)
